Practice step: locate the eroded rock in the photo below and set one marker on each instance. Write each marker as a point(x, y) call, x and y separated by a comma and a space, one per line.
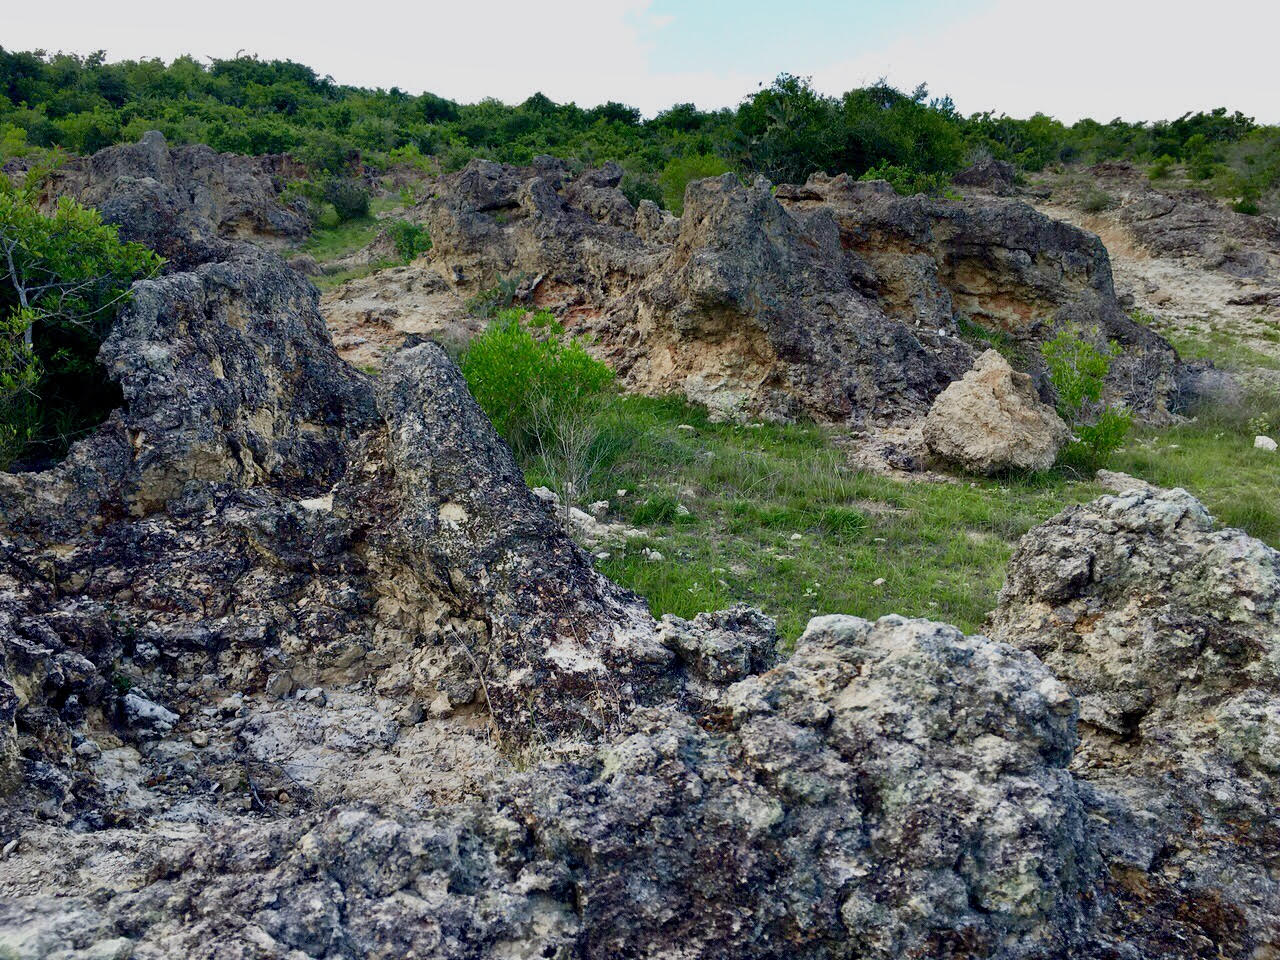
point(992, 420)
point(1167, 631)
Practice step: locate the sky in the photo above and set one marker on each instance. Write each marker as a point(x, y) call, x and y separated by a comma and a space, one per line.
point(1135, 59)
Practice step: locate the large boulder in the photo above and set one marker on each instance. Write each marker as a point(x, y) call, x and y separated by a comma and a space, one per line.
point(1167, 631)
point(991, 420)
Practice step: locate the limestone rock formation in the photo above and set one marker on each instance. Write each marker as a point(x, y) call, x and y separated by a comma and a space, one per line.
point(1167, 631)
point(992, 420)
point(837, 300)
point(993, 263)
point(183, 202)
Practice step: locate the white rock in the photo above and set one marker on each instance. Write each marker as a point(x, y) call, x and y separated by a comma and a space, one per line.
point(878, 582)
point(1264, 443)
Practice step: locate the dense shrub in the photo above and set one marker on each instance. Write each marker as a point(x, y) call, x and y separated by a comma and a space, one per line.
point(350, 200)
point(410, 239)
point(64, 276)
point(525, 381)
point(1078, 371)
point(909, 182)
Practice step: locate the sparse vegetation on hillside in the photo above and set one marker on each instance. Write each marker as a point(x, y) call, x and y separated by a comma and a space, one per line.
point(1078, 369)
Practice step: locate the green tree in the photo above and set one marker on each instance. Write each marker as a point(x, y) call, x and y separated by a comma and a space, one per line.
point(62, 278)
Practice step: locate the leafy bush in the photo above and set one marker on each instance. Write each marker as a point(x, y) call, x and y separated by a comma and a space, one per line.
point(1078, 371)
point(637, 186)
point(350, 200)
point(909, 182)
point(410, 239)
point(1161, 167)
point(63, 278)
point(525, 382)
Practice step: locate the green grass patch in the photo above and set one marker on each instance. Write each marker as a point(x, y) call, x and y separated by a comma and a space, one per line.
point(332, 239)
point(777, 518)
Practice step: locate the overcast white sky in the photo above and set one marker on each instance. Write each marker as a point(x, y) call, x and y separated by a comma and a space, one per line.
point(1138, 59)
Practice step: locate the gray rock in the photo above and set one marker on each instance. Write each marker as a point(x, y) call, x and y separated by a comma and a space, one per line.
point(1167, 631)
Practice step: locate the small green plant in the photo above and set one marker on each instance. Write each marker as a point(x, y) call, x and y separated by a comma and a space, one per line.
point(1078, 370)
point(1161, 167)
point(489, 303)
point(411, 239)
point(349, 199)
point(1095, 201)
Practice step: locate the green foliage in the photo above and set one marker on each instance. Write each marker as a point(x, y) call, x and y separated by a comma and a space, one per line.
point(62, 279)
point(909, 182)
point(1161, 167)
point(785, 131)
point(680, 171)
point(350, 200)
point(525, 382)
point(410, 239)
point(1095, 201)
point(489, 303)
point(1078, 371)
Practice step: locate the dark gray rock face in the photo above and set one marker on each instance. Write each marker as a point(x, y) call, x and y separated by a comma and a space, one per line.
point(988, 174)
point(184, 202)
point(1168, 634)
point(995, 263)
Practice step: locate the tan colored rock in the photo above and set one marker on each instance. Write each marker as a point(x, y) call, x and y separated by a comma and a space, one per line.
point(992, 420)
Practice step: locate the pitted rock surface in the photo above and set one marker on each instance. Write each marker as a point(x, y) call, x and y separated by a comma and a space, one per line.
point(1167, 631)
point(184, 202)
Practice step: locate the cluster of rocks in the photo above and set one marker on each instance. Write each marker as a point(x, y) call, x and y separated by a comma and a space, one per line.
point(188, 202)
point(835, 300)
point(293, 664)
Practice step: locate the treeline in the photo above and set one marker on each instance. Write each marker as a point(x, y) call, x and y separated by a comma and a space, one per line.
point(785, 131)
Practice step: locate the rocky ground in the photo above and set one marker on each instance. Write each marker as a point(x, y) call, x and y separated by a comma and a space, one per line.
point(1205, 275)
point(295, 665)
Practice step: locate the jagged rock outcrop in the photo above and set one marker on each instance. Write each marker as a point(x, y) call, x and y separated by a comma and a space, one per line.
point(991, 420)
point(1167, 631)
point(1172, 222)
point(292, 664)
point(994, 263)
point(571, 243)
point(183, 202)
point(835, 300)
point(754, 314)
point(269, 588)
